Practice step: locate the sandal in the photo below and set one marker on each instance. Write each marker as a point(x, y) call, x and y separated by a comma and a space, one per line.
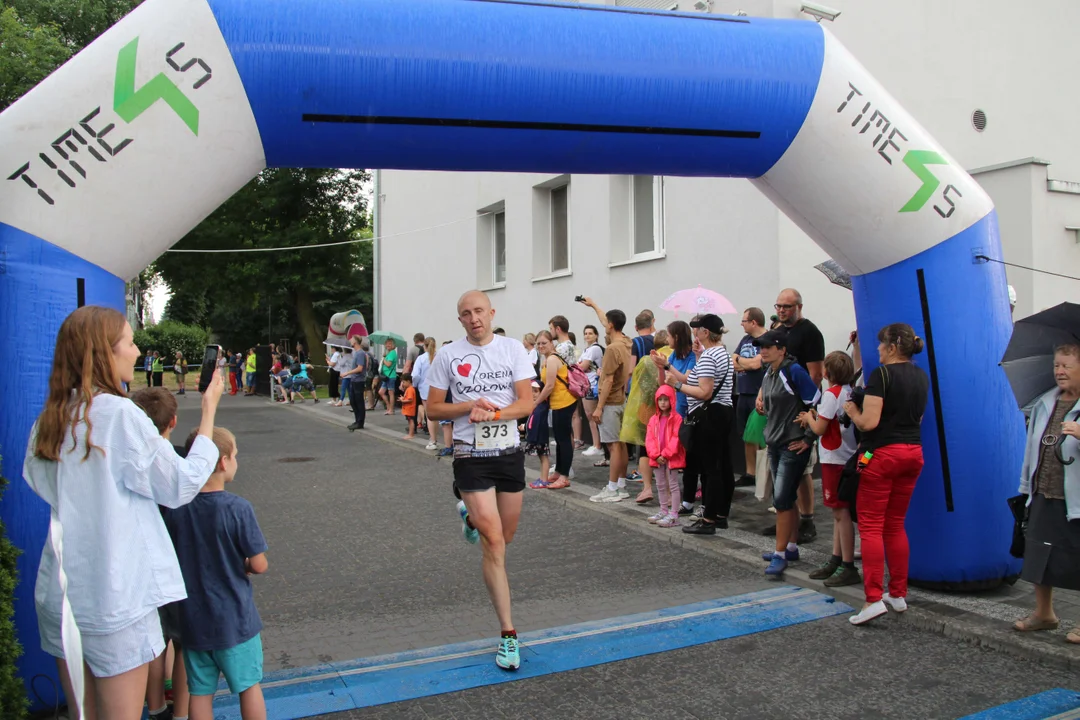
point(1073, 636)
point(539, 484)
point(559, 484)
point(1034, 624)
point(644, 501)
point(601, 463)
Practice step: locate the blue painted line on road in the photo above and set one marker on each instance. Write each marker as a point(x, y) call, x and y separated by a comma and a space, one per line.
point(1057, 704)
point(365, 682)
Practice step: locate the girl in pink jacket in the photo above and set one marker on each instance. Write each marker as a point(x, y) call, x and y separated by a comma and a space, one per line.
point(667, 455)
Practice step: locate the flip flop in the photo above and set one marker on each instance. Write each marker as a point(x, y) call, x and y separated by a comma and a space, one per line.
point(1073, 636)
point(1034, 624)
point(539, 484)
point(559, 484)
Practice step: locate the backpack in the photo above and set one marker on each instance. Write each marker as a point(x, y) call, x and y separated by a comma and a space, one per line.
point(576, 380)
point(296, 369)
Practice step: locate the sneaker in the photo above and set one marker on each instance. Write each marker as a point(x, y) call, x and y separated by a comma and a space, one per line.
point(868, 613)
point(607, 495)
point(683, 510)
point(592, 452)
point(508, 657)
point(746, 481)
point(166, 714)
point(431, 446)
point(897, 604)
point(623, 493)
point(776, 567)
point(845, 576)
point(825, 572)
point(807, 531)
point(698, 512)
point(789, 555)
point(634, 476)
point(471, 534)
point(655, 519)
point(700, 527)
point(446, 452)
point(670, 520)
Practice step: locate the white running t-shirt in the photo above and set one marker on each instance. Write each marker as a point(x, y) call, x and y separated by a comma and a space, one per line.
point(471, 372)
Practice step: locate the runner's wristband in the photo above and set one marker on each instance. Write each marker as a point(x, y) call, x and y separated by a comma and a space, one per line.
point(498, 415)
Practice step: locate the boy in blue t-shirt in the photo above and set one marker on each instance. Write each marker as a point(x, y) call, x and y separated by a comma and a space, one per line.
point(219, 544)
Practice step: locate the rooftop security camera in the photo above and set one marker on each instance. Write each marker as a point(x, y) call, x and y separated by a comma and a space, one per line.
point(821, 12)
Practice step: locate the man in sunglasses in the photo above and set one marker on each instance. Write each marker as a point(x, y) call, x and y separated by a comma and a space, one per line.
point(807, 345)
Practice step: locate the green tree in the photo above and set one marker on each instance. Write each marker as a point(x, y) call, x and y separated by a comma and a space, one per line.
point(12, 690)
point(246, 297)
point(28, 53)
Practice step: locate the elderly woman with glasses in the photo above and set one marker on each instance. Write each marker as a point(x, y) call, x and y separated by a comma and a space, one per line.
point(1051, 481)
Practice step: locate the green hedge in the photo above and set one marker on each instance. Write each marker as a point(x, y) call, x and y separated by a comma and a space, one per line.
point(167, 337)
point(12, 692)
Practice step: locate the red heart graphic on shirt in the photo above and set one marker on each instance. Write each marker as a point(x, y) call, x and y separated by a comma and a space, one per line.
point(464, 369)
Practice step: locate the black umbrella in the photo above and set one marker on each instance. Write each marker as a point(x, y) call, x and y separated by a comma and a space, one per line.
point(836, 273)
point(1029, 358)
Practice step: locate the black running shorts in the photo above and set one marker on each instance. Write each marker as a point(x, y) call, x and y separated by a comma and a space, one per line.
point(505, 473)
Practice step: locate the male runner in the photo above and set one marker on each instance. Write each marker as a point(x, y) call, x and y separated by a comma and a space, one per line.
point(490, 379)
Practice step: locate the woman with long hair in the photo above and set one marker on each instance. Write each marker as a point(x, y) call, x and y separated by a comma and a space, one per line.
point(554, 377)
point(103, 468)
point(420, 380)
point(590, 365)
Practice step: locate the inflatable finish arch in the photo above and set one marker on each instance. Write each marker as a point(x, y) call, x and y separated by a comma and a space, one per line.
point(119, 153)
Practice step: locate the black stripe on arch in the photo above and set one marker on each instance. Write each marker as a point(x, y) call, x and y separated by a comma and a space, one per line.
point(523, 125)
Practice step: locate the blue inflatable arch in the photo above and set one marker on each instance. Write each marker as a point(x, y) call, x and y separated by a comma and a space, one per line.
point(128, 146)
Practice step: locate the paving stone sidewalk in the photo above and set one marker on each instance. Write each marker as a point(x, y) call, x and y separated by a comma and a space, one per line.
point(982, 618)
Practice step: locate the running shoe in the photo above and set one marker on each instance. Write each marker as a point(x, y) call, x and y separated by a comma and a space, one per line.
point(431, 446)
point(789, 555)
point(471, 534)
point(655, 519)
point(607, 495)
point(868, 613)
point(634, 476)
point(698, 512)
point(508, 657)
point(446, 452)
point(593, 452)
point(776, 567)
point(623, 493)
point(670, 520)
point(898, 604)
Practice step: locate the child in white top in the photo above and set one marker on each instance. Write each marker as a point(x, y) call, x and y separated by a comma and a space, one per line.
point(837, 446)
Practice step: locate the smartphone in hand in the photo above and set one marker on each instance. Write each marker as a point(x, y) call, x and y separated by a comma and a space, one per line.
point(209, 366)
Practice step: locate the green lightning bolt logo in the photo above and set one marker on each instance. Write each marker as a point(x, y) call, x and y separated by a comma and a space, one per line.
point(130, 103)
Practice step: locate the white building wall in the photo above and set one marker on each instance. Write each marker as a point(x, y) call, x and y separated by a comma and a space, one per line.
point(942, 60)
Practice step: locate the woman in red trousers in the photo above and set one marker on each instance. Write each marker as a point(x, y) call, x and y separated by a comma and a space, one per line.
point(889, 417)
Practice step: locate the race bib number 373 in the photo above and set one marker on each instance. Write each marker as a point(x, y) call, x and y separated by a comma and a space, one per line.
point(495, 435)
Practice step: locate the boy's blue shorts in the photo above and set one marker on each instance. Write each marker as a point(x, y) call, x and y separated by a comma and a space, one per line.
point(242, 666)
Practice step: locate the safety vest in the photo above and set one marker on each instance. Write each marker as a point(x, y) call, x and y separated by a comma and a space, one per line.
point(158, 366)
point(251, 363)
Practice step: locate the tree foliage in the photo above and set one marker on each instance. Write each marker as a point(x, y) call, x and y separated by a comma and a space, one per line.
point(251, 297)
point(167, 337)
point(28, 53)
point(12, 690)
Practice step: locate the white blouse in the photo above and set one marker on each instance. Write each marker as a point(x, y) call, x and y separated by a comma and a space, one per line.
point(119, 561)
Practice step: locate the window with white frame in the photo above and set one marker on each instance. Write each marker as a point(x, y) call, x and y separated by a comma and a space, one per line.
point(498, 247)
point(560, 228)
point(491, 246)
point(646, 204)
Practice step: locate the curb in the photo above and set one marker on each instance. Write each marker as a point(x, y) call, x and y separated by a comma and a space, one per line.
point(921, 614)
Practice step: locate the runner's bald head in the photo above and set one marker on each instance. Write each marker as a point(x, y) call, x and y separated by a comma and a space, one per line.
point(473, 299)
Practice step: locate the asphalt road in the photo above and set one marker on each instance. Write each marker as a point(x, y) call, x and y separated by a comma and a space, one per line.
point(366, 558)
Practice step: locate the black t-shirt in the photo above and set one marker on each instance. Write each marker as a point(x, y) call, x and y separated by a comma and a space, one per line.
point(805, 343)
point(903, 388)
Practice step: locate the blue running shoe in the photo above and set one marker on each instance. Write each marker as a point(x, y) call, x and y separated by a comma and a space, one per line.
point(776, 567)
point(789, 555)
point(472, 535)
point(507, 657)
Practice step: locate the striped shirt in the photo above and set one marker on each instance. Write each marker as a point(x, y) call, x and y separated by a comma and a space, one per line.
point(714, 363)
point(119, 561)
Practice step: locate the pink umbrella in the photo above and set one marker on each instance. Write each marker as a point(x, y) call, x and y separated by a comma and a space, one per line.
point(697, 301)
